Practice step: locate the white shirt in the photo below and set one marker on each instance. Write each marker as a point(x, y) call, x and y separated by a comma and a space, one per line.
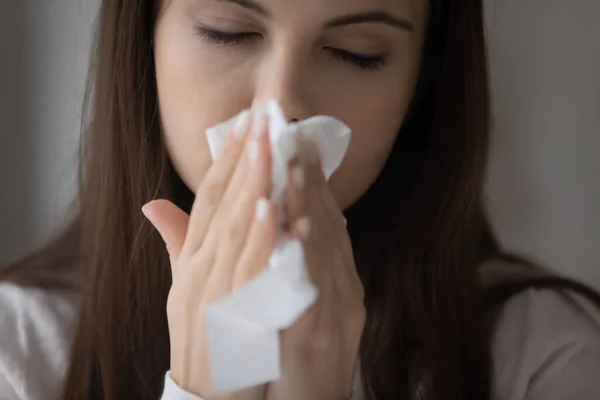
point(546, 347)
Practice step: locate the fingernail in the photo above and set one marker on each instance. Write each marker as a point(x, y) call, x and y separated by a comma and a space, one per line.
point(259, 125)
point(262, 209)
point(345, 222)
point(241, 124)
point(254, 151)
point(298, 177)
point(303, 226)
point(145, 209)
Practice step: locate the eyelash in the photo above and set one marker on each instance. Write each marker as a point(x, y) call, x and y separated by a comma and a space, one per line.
point(225, 38)
point(366, 62)
point(362, 61)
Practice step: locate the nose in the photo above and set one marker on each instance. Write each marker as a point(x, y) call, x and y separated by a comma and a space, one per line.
point(281, 77)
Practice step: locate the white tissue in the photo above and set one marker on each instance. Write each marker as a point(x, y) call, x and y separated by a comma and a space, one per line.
point(243, 329)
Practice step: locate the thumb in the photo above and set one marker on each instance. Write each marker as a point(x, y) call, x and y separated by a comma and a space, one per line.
point(171, 223)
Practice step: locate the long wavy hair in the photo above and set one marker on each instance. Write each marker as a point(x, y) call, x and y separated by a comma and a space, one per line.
point(420, 233)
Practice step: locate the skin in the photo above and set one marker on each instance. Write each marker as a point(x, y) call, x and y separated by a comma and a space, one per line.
point(290, 58)
point(230, 233)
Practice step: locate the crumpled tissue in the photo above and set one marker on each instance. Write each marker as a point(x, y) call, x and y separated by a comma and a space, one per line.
point(243, 329)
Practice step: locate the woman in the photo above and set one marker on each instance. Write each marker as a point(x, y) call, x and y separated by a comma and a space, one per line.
point(448, 316)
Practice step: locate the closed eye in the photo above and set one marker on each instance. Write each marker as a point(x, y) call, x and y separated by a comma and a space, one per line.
point(226, 38)
point(363, 61)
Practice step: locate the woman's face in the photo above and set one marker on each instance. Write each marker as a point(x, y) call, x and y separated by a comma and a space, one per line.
point(355, 60)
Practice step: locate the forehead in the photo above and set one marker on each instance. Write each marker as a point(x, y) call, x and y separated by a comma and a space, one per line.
point(406, 7)
point(401, 6)
point(413, 10)
point(314, 11)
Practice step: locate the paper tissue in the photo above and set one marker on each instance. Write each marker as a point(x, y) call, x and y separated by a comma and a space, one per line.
point(243, 329)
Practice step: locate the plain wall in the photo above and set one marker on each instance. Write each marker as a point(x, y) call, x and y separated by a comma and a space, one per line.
point(44, 49)
point(544, 190)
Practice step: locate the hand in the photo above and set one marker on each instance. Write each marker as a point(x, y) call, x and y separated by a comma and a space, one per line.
point(226, 240)
point(320, 350)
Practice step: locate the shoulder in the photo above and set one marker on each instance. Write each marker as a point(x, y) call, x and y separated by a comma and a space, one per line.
point(546, 345)
point(35, 333)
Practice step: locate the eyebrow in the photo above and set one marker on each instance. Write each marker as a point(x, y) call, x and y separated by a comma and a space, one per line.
point(250, 5)
point(381, 17)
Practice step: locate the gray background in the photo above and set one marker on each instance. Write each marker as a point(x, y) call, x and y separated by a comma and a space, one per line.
point(544, 190)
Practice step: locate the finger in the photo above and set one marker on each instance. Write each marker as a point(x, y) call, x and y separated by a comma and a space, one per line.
point(260, 243)
point(347, 281)
point(171, 223)
point(212, 188)
point(256, 154)
point(295, 192)
point(314, 172)
point(306, 173)
point(336, 220)
point(239, 206)
point(308, 215)
point(315, 176)
point(317, 257)
point(303, 197)
point(309, 194)
point(309, 230)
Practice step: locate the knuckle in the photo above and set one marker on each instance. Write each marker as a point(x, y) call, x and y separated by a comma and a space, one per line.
point(212, 194)
point(234, 231)
point(199, 267)
point(322, 340)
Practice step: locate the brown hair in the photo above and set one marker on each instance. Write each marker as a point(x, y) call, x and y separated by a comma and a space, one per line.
point(419, 234)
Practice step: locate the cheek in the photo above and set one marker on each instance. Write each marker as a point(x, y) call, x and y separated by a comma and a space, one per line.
point(375, 124)
point(193, 96)
point(183, 118)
